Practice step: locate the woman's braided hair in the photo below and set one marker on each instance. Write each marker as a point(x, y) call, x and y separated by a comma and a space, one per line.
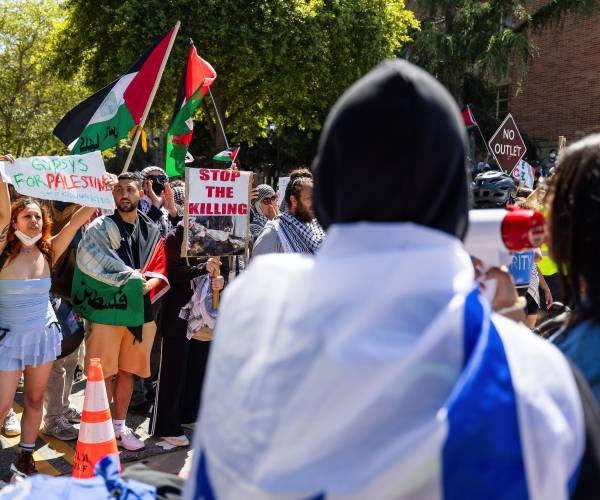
point(574, 194)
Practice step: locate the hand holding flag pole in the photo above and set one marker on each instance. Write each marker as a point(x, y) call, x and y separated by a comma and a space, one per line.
point(151, 99)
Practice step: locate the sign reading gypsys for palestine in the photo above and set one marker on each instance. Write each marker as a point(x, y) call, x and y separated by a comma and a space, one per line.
point(72, 179)
point(216, 219)
point(507, 145)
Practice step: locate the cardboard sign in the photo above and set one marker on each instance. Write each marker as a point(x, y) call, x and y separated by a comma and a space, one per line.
point(523, 173)
point(507, 145)
point(216, 220)
point(72, 179)
point(281, 185)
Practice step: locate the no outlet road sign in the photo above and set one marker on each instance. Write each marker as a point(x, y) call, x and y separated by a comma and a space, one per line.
point(507, 144)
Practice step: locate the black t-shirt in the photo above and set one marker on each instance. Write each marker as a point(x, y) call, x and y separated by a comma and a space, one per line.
point(130, 253)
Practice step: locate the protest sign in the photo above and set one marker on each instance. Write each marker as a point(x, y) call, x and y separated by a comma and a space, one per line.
point(523, 173)
point(72, 179)
point(507, 145)
point(281, 185)
point(216, 220)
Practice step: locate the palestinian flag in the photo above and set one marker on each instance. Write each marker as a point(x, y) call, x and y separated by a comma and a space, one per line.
point(198, 75)
point(105, 287)
point(468, 118)
point(228, 155)
point(104, 118)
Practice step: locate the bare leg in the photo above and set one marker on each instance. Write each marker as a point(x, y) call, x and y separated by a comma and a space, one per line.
point(531, 320)
point(36, 380)
point(122, 394)
point(8, 388)
point(109, 383)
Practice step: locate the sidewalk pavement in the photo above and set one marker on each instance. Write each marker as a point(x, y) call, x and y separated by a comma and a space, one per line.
point(55, 457)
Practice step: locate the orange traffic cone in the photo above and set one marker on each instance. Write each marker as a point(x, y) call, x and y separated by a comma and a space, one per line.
point(96, 434)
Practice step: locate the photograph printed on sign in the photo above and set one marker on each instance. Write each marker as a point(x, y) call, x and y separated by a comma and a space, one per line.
point(216, 212)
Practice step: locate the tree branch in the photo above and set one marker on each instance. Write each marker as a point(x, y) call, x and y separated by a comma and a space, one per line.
point(553, 11)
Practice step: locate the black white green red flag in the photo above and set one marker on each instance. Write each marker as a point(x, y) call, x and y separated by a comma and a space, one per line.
point(468, 118)
point(198, 76)
point(228, 154)
point(104, 118)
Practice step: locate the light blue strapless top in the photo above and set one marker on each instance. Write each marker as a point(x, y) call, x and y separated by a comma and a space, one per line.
point(29, 331)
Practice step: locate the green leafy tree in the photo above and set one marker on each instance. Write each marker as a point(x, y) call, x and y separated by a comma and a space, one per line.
point(277, 60)
point(32, 100)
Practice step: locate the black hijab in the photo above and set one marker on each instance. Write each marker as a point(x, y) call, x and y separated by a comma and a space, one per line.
point(393, 150)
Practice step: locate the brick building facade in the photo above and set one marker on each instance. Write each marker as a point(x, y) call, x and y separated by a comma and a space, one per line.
point(560, 93)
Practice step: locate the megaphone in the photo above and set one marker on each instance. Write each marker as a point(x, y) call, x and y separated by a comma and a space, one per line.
point(495, 234)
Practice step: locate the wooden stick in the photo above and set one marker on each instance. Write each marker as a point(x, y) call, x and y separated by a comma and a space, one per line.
point(216, 293)
point(151, 99)
point(562, 144)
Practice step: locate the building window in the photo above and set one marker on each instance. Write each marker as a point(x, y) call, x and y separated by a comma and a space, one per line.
point(502, 101)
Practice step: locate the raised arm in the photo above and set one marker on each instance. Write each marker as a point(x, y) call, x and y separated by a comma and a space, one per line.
point(61, 241)
point(4, 206)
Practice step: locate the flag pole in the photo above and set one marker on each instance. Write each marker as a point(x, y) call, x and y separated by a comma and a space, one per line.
point(484, 142)
point(235, 157)
point(151, 98)
point(218, 117)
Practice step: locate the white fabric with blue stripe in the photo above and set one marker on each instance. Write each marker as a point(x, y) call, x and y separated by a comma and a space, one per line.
point(355, 375)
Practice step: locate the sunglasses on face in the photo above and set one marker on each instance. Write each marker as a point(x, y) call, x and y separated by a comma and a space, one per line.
point(158, 178)
point(272, 199)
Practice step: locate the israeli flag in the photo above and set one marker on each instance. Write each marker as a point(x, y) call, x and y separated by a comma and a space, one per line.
point(380, 374)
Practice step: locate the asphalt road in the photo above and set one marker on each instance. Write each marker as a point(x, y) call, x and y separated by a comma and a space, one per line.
point(55, 457)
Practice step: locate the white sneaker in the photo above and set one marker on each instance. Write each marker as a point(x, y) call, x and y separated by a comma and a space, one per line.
point(11, 426)
point(177, 440)
point(127, 439)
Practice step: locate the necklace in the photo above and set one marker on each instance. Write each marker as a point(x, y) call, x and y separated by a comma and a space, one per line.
point(25, 249)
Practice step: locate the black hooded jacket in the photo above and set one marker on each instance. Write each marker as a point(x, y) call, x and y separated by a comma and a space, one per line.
point(393, 150)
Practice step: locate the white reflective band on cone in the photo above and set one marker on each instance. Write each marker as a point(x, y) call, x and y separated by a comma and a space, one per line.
point(96, 433)
point(95, 397)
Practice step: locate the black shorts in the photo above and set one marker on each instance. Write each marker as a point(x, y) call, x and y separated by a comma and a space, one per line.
point(532, 306)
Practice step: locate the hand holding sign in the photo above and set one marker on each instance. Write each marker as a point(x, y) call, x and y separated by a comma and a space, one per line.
point(73, 179)
point(8, 158)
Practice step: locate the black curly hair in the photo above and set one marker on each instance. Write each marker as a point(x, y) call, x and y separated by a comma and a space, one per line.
point(574, 226)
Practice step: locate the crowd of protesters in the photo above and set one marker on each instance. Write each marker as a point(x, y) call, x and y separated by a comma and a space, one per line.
point(355, 356)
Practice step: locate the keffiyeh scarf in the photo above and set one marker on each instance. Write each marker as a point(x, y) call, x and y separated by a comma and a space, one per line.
point(164, 224)
point(198, 312)
point(297, 237)
point(257, 224)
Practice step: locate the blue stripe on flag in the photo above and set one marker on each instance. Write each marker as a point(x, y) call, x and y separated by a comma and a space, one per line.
point(473, 322)
point(482, 456)
point(203, 490)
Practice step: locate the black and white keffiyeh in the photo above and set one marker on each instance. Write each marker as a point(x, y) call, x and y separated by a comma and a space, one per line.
point(298, 237)
point(258, 224)
point(163, 223)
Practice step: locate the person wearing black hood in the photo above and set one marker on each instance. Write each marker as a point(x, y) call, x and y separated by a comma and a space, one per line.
point(375, 369)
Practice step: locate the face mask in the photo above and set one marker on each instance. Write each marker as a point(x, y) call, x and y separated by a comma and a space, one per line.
point(27, 240)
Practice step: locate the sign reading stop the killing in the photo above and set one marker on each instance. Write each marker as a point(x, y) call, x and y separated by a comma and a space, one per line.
point(507, 144)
